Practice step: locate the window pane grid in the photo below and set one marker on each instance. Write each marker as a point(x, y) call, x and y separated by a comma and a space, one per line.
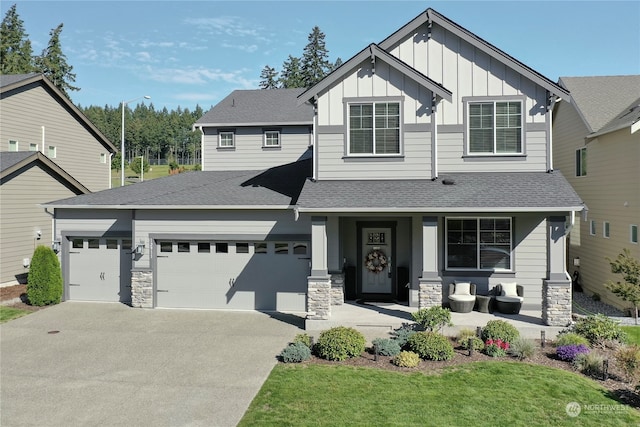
point(482, 244)
point(495, 127)
point(377, 122)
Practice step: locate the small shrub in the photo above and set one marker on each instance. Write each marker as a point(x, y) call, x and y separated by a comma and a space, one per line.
point(570, 338)
point(628, 359)
point(589, 363)
point(340, 343)
point(463, 340)
point(295, 352)
point(406, 359)
point(496, 348)
point(499, 330)
point(386, 347)
point(431, 345)
point(571, 351)
point(403, 333)
point(595, 296)
point(522, 348)
point(44, 281)
point(599, 329)
point(197, 167)
point(433, 319)
point(304, 339)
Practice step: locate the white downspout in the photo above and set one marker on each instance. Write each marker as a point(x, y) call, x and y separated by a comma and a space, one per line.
point(43, 140)
point(201, 147)
point(109, 168)
point(434, 138)
point(314, 139)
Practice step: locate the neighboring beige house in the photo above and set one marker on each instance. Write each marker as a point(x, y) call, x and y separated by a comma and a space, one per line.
point(597, 148)
point(48, 150)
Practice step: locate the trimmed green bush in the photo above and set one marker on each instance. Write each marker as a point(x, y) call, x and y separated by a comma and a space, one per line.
point(403, 333)
point(406, 359)
point(499, 330)
point(431, 345)
point(295, 352)
point(522, 348)
point(599, 329)
point(340, 343)
point(463, 340)
point(433, 319)
point(304, 339)
point(386, 347)
point(571, 338)
point(44, 281)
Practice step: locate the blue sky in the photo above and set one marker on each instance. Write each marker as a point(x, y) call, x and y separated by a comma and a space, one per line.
point(184, 53)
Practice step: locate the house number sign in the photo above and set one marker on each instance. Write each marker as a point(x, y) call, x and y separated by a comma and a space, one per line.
point(375, 239)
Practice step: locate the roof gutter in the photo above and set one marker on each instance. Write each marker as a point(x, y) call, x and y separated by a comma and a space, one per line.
point(169, 207)
point(385, 210)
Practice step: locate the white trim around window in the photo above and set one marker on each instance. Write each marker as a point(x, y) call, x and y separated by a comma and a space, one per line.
point(592, 228)
point(271, 138)
point(581, 161)
point(606, 229)
point(33, 147)
point(52, 152)
point(484, 243)
point(494, 126)
point(374, 127)
point(13, 145)
point(633, 233)
point(226, 139)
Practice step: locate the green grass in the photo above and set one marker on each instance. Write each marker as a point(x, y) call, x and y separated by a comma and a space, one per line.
point(633, 334)
point(157, 171)
point(10, 313)
point(478, 394)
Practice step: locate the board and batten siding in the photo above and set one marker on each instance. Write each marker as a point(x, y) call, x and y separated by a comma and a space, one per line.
point(256, 224)
point(27, 111)
point(93, 221)
point(22, 217)
point(249, 152)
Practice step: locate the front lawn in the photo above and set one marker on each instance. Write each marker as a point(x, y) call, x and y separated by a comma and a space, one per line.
point(481, 393)
point(633, 333)
point(9, 313)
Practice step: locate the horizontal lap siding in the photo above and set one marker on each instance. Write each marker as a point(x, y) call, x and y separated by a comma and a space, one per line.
point(249, 153)
point(77, 150)
point(22, 217)
point(235, 223)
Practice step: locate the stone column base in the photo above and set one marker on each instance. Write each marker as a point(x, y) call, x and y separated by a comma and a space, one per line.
point(142, 288)
point(556, 302)
point(319, 298)
point(337, 288)
point(430, 293)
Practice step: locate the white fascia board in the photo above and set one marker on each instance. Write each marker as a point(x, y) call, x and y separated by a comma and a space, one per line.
point(444, 209)
point(237, 125)
point(169, 207)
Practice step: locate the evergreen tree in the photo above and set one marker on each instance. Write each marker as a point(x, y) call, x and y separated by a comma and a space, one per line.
point(315, 62)
point(269, 78)
point(53, 63)
point(291, 74)
point(15, 47)
point(336, 64)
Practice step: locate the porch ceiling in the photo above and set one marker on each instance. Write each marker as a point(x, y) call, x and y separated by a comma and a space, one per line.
point(473, 192)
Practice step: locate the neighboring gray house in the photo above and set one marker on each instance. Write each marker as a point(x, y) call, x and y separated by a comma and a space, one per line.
point(431, 162)
point(597, 147)
point(48, 150)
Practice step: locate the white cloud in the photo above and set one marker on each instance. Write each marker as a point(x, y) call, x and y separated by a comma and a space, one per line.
point(199, 76)
point(230, 25)
point(243, 47)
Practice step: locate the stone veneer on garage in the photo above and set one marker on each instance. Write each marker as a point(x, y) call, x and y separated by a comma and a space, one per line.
point(142, 288)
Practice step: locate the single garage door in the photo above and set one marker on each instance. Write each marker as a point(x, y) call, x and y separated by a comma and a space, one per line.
point(232, 275)
point(99, 269)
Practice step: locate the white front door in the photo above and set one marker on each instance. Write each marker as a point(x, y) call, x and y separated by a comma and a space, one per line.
point(377, 260)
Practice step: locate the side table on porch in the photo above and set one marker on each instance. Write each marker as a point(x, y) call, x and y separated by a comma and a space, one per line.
point(484, 303)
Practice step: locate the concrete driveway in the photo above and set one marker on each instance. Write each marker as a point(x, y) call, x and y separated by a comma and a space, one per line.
point(112, 365)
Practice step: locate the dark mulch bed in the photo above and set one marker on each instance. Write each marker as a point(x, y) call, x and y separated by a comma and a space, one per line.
point(8, 293)
point(616, 384)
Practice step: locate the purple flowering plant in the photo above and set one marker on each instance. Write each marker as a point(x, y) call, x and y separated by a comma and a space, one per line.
point(571, 351)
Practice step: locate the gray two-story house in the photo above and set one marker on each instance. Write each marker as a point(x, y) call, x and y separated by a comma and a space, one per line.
point(423, 160)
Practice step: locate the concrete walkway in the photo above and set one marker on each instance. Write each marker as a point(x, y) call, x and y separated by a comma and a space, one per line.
point(110, 365)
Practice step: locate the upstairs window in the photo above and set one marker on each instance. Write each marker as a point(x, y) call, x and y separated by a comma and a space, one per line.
point(52, 152)
point(226, 139)
point(494, 127)
point(272, 138)
point(633, 233)
point(13, 145)
point(103, 158)
point(581, 162)
point(374, 128)
point(33, 147)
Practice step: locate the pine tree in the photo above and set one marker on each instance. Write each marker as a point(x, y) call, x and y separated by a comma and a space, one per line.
point(269, 78)
point(15, 47)
point(53, 63)
point(291, 74)
point(315, 63)
point(336, 64)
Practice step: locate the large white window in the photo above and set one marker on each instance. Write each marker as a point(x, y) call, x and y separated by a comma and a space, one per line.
point(581, 162)
point(494, 127)
point(374, 128)
point(272, 138)
point(226, 139)
point(479, 243)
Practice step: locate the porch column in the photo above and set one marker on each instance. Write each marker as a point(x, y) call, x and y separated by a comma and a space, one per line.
point(430, 294)
point(319, 282)
point(334, 260)
point(556, 289)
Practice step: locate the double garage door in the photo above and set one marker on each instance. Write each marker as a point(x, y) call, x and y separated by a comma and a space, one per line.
point(99, 269)
point(232, 274)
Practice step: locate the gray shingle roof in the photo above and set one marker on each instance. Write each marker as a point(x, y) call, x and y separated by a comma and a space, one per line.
point(272, 106)
point(497, 191)
point(9, 159)
point(601, 99)
point(279, 186)
point(9, 79)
